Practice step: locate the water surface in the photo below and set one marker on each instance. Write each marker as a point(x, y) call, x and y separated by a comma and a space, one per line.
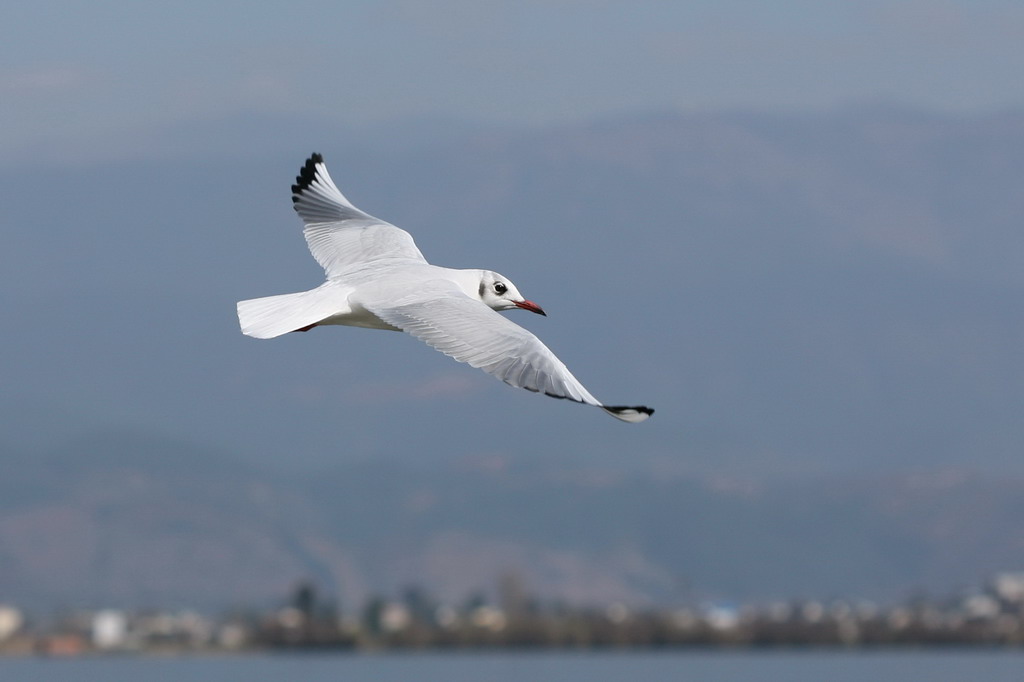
point(686, 666)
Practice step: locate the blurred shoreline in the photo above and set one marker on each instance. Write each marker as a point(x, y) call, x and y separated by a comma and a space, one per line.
point(991, 617)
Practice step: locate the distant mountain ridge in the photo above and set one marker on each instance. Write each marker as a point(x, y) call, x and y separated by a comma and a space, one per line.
point(139, 521)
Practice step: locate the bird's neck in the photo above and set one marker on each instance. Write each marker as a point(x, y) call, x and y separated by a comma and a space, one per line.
point(468, 281)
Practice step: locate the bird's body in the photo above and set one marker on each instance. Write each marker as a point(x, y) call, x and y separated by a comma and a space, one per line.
point(378, 279)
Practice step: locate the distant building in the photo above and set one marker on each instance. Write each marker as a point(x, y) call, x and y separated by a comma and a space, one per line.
point(1009, 587)
point(394, 617)
point(11, 621)
point(981, 606)
point(722, 616)
point(489, 618)
point(109, 629)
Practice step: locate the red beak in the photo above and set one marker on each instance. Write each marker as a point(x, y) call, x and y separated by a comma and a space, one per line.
point(531, 306)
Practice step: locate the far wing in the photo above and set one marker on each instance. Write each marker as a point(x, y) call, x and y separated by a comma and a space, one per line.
point(439, 314)
point(339, 235)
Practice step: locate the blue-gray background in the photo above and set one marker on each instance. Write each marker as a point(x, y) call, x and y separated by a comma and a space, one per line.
point(793, 228)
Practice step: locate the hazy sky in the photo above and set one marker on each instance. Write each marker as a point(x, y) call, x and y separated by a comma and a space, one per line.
point(127, 264)
point(110, 69)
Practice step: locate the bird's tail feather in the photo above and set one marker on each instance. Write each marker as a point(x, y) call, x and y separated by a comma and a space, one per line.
point(265, 318)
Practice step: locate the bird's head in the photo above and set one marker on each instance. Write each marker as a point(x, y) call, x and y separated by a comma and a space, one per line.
point(498, 292)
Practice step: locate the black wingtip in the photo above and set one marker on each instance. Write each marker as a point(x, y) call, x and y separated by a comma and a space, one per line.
point(632, 414)
point(306, 175)
point(627, 413)
point(618, 409)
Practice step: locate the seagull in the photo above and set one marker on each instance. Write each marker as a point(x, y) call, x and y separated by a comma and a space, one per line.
point(378, 279)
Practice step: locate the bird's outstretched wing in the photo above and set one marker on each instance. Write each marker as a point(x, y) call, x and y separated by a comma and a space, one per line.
point(438, 313)
point(339, 235)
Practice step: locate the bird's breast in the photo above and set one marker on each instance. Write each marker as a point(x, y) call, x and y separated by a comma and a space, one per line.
point(359, 317)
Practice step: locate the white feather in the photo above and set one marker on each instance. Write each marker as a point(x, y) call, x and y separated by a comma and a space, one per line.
point(265, 318)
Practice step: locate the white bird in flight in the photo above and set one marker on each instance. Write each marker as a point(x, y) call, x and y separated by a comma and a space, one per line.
point(377, 278)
